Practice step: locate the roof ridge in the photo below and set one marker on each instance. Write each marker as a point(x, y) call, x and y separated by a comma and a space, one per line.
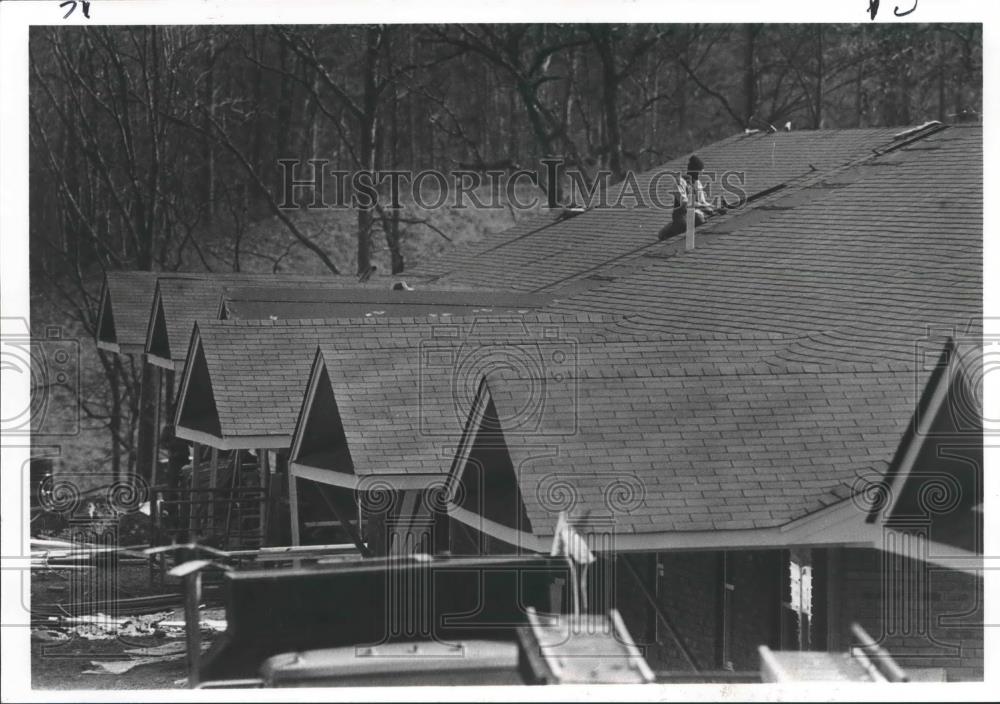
point(714, 368)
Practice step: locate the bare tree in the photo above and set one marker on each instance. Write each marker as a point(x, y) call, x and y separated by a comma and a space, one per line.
point(525, 53)
point(104, 91)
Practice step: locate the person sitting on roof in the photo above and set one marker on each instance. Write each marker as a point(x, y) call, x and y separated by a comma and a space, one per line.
point(689, 189)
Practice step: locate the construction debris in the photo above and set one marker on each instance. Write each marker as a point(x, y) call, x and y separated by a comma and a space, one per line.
point(147, 656)
point(101, 626)
point(120, 667)
point(47, 635)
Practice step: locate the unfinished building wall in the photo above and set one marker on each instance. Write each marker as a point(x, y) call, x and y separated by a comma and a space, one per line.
point(688, 593)
point(925, 616)
point(722, 606)
point(754, 608)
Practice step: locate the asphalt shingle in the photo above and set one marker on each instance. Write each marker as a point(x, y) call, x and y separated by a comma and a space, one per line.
point(739, 386)
point(258, 368)
point(543, 253)
point(126, 298)
point(186, 299)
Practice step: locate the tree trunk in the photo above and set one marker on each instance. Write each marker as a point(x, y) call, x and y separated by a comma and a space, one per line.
point(604, 43)
point(965, 69)
point(208, 99)
point(114, 426)
point(818, 100)
point(258, 100)
point(681, 90)
point(858, 98)
point(368, 128)
point(942, 110)
point(390, 224)
point(284, 109)
point(313, 123)
point(749, 71)
point(147, 421)
point(392, 239)
point(544, 144)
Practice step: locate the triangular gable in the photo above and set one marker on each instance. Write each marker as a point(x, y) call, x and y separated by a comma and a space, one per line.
point(483, 481)
point(106, 337)
point(319, 440)
point(935, 481)
point(197, 414)
point(157, 340)
point(124, 311)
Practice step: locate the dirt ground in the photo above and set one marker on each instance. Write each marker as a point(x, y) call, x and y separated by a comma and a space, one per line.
point(65, 665)
point(66, 654)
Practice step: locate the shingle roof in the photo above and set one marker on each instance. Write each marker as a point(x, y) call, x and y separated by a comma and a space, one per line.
point(187, 298)
point(127, 298)
point(857, 269)
point(125, 303)
point(743, 384)
point(398, 415)
point(842, 291)
point(258, 368)
point(543, 253)
point(677, 437)
point(707, 446)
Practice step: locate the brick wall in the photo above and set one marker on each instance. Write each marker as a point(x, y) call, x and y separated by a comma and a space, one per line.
point(923, 615)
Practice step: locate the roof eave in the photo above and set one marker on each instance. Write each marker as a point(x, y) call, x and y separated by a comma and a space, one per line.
point(236, 442)
point(109, 346)
point(839, 525)
point(163, 363)
point(364, 482)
